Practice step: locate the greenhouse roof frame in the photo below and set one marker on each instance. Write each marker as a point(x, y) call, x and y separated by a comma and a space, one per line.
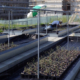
point(9, 8)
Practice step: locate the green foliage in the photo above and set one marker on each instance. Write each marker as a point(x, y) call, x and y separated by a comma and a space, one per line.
point(63, 19)
point(1, 30)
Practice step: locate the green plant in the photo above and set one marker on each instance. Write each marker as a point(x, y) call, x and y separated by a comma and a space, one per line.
point(53, 62)
point(1, 30)
point(25, 70)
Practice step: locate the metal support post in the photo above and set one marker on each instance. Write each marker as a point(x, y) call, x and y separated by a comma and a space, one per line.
point(77, 38)
point(37, 25)
point(67, 32)
point(78, 15)
point(27, 24)
point(56, 25)
point(9, 28)
point(38, 43)
point(46, 22)
point(12, 21)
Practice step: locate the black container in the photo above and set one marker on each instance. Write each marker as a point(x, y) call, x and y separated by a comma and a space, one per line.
point(41, 76)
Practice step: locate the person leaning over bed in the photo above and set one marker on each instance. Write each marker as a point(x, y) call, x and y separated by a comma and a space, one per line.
point(56, 23)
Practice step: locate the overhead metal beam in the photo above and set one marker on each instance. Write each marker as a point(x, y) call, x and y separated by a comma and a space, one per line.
point(28, 8)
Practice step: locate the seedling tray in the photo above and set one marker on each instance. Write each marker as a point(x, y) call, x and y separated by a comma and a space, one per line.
point(64, 71)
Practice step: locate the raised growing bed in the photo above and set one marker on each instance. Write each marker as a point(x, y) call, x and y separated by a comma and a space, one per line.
point(69, 25)
point(30, 31)
point(22, 47)
point(71, 29)
point(4, 35)
point(24, 38)
point(2, 28)
point(30, 27)
point(78, 31)
point(5, 46)
point(3, 38)
point(60, 29)
point(16, 41)
point(18, 65)
point(53, 64)
point(19, 32)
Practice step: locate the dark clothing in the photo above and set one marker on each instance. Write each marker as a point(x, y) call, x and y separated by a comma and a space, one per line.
point(54, 25)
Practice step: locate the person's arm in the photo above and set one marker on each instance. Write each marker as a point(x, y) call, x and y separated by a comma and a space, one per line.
point(59, 24)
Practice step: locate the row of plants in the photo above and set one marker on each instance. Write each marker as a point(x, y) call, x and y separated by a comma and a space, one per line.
point(60, 28)
point(18, 27)
point(52, 63)
point(17, 41)
point(5, 26)
point(62, 18)
point(5, 46)
point(1, 30)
